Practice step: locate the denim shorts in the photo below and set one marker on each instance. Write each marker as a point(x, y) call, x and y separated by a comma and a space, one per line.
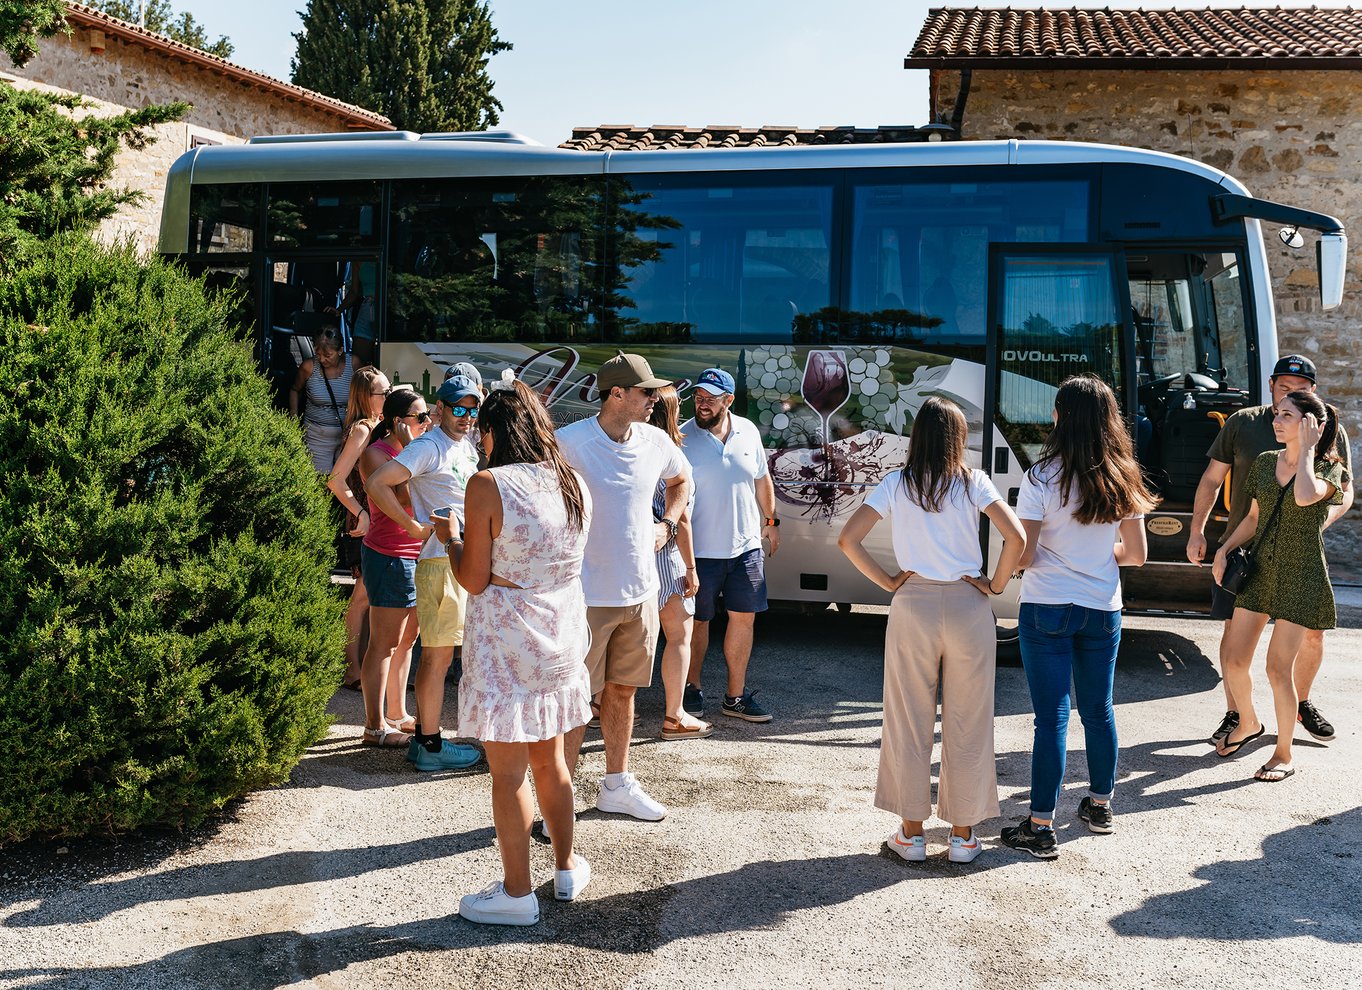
point(390, 581)
point(741, 580)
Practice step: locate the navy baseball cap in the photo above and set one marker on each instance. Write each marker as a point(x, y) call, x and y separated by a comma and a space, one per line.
point(715, 381)
point(1295, 364)
point(458, 387)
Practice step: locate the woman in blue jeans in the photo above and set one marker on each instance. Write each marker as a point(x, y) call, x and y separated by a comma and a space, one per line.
point(1082, 506)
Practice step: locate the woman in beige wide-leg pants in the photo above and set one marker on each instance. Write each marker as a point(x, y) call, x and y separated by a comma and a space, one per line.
point(939, 632)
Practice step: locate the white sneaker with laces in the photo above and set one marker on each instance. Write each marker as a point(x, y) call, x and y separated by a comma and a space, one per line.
point(913, 849)
point(567, 884)
point(965, 850)
point(629, 798)
point(493, 906)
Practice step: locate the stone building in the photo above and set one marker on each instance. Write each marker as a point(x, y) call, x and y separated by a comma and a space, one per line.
point(1271, 96)
point(119, 66)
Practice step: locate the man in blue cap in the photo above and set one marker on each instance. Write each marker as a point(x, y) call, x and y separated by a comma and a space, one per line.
point(435, 467)
point(735, 509)
point(1245, 435)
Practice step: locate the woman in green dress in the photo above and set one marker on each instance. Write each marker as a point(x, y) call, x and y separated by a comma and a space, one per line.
point(1290, 582)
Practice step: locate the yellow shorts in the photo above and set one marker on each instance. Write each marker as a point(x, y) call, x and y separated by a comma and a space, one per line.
point(440, 603)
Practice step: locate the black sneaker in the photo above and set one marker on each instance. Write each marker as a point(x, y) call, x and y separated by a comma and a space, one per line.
point(1039, 842)
point(744, 706)
point(693, 701)
point(1227, 725)
point(1098, 816)
point(1315, 723)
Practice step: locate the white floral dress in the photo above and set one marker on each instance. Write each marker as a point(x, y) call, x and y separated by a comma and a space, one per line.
point(524, 679)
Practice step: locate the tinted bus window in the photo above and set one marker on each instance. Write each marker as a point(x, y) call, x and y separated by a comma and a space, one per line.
point(222, 219)
point(919, 252)
point(495, 259)
point(340, 214)
point(719, 258)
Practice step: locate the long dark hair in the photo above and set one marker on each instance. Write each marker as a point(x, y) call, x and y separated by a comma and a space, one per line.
point(395, 406)
point(1092, 447)
point(936, 453)
point(1326, 451)
point(522, 433)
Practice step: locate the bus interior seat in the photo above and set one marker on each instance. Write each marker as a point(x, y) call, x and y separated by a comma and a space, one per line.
point(1190, 426)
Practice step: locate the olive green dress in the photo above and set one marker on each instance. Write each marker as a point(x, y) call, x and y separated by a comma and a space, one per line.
point(1291, 579)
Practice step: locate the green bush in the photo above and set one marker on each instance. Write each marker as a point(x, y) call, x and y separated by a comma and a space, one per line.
point(169, 636)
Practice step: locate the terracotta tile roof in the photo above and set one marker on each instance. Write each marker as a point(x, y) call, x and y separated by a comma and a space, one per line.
point(670, 137)
point(81, 16)
point(1243, 37)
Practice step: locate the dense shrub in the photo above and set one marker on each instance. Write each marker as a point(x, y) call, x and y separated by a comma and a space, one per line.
point(168, 636)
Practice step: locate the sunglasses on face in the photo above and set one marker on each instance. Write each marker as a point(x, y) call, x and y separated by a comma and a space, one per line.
point(459, 412)
point(650, 393)
point(421, 417)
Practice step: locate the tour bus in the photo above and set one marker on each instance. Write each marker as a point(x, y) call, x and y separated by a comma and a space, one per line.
point(841, 286)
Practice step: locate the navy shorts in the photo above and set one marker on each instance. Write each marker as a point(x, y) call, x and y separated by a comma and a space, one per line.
point(390, 581)
point(741, 580)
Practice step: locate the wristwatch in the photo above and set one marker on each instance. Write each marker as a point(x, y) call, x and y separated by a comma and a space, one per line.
point(772, 521)
point(673, 527)
point(449, 545)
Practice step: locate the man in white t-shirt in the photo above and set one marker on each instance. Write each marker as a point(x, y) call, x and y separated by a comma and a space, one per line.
point(436, 467)
point(735, 507)
point(622, 458)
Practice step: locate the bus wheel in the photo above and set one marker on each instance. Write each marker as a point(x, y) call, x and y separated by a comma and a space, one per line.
point(1009, 646)
point(844, 608)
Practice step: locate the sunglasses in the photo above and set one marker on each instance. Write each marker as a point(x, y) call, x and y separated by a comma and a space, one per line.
point(459, 412)
point(421, 417)
point(650, 393)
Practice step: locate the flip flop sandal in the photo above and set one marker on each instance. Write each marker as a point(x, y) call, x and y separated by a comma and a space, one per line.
point(1235, 747)
point(1273, 775)
point(386, 737)
point(354, 685)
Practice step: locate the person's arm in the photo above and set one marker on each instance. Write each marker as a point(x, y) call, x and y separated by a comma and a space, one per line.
point(685, 545)
point(338, 481)
point(1340, 510)
point(295, 390)
point(382, 491)
point(1031, 532)
point(1014, 545)
point(471, 558)
point(1133, 548)
point(1308, 487)
point(766, 505)
point(674, 501)
point(1206, 491)
point(851, 541)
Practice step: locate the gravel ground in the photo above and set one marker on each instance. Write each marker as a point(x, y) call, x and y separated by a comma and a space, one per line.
point(770, 870)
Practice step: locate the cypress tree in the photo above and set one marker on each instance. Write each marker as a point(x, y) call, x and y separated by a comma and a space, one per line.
point(421, 63)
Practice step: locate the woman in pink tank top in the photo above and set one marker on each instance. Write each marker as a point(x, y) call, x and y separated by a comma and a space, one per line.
point(389, 574)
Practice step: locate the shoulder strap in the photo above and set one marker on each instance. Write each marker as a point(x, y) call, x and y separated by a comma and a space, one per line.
point(327, 382)
point(1281, 497)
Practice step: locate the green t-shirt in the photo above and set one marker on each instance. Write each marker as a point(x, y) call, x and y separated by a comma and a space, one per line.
point(1245, 435)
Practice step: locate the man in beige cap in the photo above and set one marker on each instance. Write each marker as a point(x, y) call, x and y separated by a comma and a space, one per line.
point(622, 458)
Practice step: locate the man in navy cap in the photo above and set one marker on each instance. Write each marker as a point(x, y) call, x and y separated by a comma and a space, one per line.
point(1245, 435)
point(436, 467)
point(735, 508)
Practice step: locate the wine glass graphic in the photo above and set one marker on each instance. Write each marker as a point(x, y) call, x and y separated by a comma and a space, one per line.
point(826, 388)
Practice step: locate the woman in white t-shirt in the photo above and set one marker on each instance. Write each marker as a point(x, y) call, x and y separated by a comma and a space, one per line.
point(940, 630)
point(1083, 506)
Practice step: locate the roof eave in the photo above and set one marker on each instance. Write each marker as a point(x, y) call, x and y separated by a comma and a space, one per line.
point(1171, 63)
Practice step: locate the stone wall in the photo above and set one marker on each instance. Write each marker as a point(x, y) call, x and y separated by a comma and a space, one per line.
point(1294, 137)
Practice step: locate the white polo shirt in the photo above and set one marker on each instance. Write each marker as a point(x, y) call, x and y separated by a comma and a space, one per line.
point(726, 521)
point(619, 567)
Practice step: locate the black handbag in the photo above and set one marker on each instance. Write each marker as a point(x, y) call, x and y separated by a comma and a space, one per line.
point(1241, 562)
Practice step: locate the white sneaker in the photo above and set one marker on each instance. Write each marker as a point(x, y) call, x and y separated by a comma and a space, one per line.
point(493, 906)
point(912, 849)
point(965, 850)
point(567, 884)
point(629, 799)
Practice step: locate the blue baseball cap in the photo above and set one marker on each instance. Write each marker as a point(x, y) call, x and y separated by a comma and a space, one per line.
point(715, 381)
point(458, 387)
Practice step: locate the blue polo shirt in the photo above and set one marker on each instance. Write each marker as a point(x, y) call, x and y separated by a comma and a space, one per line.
point(726, 521)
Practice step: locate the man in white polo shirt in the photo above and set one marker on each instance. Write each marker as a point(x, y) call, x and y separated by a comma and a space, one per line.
point(735, 507)
point(622, 458)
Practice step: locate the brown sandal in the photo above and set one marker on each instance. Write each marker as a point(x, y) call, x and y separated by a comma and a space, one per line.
point(387, 737)
point(674, 728)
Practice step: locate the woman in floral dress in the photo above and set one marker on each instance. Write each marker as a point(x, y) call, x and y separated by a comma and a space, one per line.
point(524, 682)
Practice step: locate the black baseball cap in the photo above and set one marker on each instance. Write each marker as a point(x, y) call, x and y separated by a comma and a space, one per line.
point(1295, 364)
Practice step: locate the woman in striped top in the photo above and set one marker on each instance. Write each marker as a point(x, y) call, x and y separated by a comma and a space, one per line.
point(325, 381)
point(676, 594)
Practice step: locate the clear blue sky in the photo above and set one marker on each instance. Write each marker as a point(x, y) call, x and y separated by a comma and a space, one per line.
point(749, 62)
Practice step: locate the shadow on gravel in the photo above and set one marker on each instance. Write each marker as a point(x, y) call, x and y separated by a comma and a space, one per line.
point(75, 902)
point(1292, 890)
point(755, 896)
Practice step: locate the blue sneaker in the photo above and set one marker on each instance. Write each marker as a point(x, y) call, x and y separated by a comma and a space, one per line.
point(693, 701)
point(745, 706)
point(451, 756)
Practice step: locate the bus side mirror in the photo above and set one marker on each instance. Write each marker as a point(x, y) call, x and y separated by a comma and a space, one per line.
point(1331, 255)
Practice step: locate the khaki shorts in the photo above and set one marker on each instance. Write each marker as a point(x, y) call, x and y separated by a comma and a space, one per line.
point(440, 603)
point(623, 641)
